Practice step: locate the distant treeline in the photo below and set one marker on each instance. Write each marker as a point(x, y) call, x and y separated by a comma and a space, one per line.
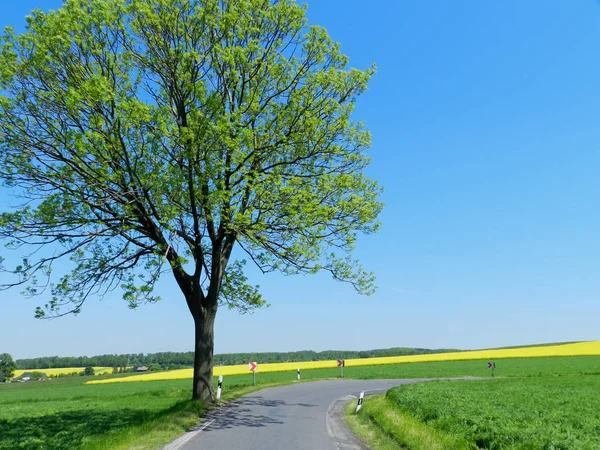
point(177, 360)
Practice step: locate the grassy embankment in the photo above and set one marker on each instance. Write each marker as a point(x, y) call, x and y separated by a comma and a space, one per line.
point(554, 404)
point(66, 413)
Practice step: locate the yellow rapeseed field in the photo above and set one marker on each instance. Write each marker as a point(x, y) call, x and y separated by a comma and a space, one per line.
point(577, 349)
point(65, 370)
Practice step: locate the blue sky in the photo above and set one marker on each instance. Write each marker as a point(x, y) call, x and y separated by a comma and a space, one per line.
point(485, 136)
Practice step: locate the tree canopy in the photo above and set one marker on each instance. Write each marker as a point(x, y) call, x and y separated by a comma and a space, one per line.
point(7, 367)
point(145, 136)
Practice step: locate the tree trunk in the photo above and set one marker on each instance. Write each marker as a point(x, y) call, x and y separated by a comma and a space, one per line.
point(203, 355)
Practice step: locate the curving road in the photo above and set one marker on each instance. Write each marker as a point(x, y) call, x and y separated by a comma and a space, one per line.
point(301, 416)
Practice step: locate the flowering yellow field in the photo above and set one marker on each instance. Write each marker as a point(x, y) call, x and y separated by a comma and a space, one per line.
point(577, 349)
point(65, 370)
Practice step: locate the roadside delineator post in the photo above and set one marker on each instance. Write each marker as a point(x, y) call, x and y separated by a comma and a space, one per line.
point(252, 367)
point(219, 387)
point(298, 373)
point(341, 363)
point(360, 400)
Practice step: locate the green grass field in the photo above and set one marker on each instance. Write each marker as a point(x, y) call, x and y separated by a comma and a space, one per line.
point(532, 413)
point(66, 413)
point(552, 403)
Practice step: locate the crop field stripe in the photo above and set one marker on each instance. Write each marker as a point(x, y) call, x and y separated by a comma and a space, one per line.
point(577, 349)
point(63, 371)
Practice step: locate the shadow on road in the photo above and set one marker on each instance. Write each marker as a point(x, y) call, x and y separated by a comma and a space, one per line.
point(239, 413)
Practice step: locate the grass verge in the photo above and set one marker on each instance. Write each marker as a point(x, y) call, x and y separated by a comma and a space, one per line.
point(516, 413)
point(512, 413)
point(382, 427)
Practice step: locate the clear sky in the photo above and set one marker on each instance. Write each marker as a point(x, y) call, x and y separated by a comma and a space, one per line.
point(484, 117)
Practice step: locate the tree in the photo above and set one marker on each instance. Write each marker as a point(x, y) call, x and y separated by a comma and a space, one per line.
point(7, 367)
point(153, 136)
point(89, 371)
point(36, 375)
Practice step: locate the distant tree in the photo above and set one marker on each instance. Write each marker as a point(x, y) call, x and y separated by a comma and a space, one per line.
point(179, 360)
point(89, 371)
point(7, 367)
point(36, 375)
point(147, 136)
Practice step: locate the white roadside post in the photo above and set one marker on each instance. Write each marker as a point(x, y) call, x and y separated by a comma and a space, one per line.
point(360, 400)
point(298, 373)
point(219, 387)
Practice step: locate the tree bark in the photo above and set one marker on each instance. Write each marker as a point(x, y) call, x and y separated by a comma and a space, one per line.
point(204, 321)
point(204, 312)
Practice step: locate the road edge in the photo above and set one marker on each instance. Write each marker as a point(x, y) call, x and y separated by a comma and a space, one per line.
point(186, 437)
point(337, 427)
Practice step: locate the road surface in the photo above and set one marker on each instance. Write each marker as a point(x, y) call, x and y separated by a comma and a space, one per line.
point(303, 416)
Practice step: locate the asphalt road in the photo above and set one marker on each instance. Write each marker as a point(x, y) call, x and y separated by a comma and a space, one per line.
point(300, 416)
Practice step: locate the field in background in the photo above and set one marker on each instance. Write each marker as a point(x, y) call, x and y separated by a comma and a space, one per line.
point(64, 371)
point(67, 413)
point(575, 349)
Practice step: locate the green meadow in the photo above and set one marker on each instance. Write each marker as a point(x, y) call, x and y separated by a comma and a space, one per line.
point(551, 403)
point(67, 413)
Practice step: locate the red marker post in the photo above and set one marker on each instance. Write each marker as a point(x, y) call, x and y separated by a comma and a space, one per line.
point(252, 366)
point(341, 364)
point(491, 365)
